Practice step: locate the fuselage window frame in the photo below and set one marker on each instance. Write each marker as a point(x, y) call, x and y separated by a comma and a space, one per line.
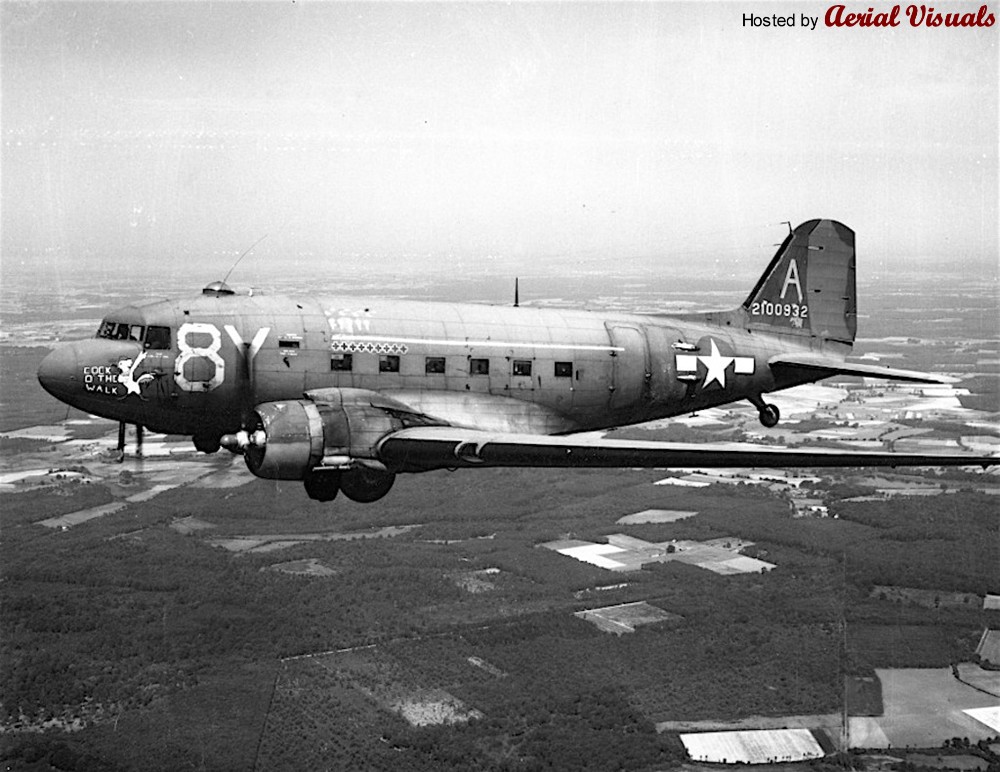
point(478, 366)
point(521, 368)
point(388, 363)
point(434, 365)
point(341, 363)
point(563, 370)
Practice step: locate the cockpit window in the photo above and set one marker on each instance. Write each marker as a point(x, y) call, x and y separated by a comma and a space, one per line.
point(120, 331)
point(153, 337)
point(157, 337)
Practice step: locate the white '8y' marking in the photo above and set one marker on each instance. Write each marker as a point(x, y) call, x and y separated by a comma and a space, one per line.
point(211, 352)
point(189, 352)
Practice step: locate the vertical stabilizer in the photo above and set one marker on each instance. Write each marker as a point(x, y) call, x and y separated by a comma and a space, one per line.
point(808, 290)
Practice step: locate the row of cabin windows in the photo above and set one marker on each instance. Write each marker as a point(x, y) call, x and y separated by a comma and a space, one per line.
point(389, 363)
point(156, 337)
point(153, 337)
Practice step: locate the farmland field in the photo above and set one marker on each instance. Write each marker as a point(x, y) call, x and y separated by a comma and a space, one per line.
point(753, 747)
point(174, 653)
point(923, 708)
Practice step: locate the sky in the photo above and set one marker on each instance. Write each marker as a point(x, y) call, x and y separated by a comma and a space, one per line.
point(148, 134)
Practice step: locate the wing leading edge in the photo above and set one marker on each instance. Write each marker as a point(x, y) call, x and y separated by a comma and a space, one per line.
point(437, 447)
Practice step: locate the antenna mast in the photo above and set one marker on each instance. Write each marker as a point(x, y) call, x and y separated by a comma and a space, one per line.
point(248, 250)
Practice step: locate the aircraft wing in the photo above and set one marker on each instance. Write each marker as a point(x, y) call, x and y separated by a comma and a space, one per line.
point(435, 447)
point(820, 363)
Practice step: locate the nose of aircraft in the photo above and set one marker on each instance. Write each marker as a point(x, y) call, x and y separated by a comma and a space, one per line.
point(58, 372)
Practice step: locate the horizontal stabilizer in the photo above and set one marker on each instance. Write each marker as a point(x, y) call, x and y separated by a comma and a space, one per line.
point(821, 363)
point(436, 447)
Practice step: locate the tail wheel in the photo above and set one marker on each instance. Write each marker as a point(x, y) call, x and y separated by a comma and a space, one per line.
point(769, 415)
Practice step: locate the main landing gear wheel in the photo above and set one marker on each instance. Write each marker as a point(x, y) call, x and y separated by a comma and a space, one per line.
point(769, 415)
point(365, 485)
point(206, 443)
point(322, 486)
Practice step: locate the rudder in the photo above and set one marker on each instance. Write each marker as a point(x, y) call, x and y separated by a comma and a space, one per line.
point(808, 289)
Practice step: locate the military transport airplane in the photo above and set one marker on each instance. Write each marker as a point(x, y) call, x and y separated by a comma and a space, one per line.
point(344, 393)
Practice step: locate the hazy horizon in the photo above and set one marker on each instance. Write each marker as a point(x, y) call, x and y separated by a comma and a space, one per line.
point(619, 137)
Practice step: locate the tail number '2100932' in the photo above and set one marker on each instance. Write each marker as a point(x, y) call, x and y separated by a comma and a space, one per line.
point(190, 343)
point(767, 308)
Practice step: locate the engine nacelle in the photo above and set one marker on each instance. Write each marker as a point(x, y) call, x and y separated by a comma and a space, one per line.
point(337, 429)
point(287, 439)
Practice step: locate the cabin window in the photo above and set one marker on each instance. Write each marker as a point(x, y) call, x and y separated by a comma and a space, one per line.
point(479, 367)
point(521, 367)
point(341, 363)
point(388, 363)
point(288, 343)
point(564, 370)
point(158, 338)
point(434, 365)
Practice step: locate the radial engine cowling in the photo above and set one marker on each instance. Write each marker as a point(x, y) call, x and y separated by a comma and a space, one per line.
point(336, 428)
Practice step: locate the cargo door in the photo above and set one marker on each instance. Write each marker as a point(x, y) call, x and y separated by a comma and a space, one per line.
point(630, 371)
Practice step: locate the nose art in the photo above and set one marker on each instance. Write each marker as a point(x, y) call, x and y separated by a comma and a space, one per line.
point(58, 370)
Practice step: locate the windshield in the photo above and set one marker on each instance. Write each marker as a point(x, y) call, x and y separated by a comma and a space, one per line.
point(154, 337)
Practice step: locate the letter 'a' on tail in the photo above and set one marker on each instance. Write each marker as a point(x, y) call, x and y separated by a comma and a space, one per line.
point(808, 290)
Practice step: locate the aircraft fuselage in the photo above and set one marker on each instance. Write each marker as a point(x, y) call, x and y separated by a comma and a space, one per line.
point(200, 366)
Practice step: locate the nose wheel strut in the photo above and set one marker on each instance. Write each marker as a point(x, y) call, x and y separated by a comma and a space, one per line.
point(768, 413)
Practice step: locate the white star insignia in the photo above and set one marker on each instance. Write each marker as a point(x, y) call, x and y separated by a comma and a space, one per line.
point(715, 366)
